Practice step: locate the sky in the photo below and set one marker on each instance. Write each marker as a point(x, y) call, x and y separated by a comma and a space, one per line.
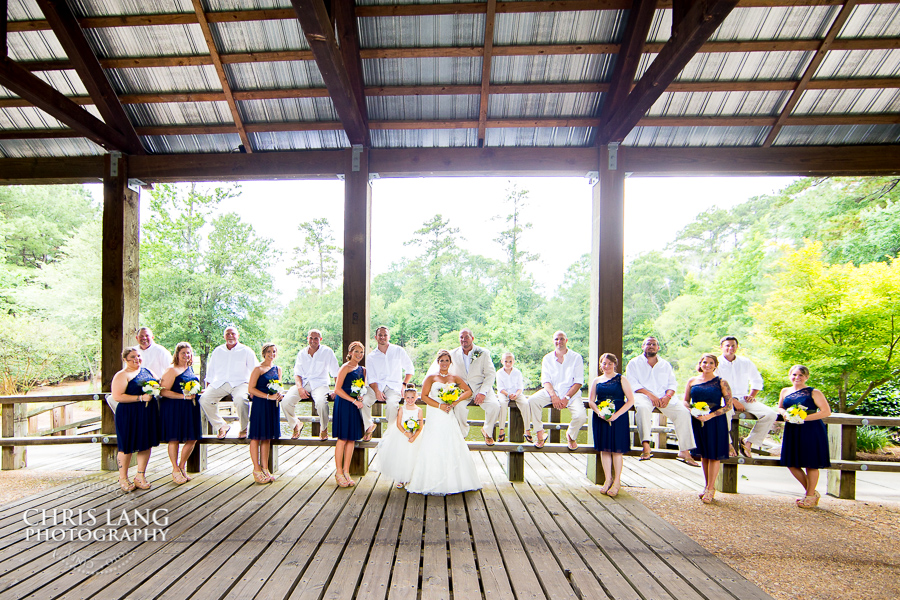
point(559, 209)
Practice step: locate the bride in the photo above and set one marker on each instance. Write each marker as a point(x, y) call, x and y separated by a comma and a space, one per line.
point(444, 465)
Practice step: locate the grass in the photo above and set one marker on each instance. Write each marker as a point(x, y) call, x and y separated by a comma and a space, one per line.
point(871, 439)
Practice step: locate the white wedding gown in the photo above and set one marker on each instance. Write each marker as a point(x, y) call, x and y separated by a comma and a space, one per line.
point(444, 465)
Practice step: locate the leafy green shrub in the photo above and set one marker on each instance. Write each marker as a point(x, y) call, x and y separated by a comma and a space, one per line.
point(871, 439)
point(882, 402)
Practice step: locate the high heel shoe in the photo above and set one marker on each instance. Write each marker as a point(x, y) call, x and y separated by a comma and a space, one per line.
point(808, 501)
point(339, 477)
point(350, 482)
point(269, 475)
point(141, 483)
point(709, 496)
point(260, 477)
point(126, 485)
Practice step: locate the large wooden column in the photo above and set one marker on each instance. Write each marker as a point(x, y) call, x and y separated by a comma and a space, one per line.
point(607, 268)
point(120, 284)
point(357, 263)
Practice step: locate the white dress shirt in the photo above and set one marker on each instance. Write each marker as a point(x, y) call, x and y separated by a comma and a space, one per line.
point(510, 382)
point(656, 379)
point(562, 375)
point(230, 366)
point(156, 358)
point(740, 373)
point(387, 369)
point(315, 370)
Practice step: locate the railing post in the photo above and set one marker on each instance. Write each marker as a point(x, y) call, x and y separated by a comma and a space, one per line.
point(315, 425)
point(197, 460)
point(662, 437)
point(15, 424)
point(594, 468)
point(377, 410)
point(842, 446)
point(727, 479)
point(555, 416)
point(515, 462)
point(273, 458)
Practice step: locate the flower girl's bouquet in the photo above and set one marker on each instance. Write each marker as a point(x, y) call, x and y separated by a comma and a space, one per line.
point(411, 425)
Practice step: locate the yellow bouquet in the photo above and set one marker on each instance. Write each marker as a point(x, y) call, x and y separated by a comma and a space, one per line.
point(607, 409)
point(152, 388)
point(449, 393)
point(275, 386)
point(796, 414)
point(411, 425)
point(356, 387)
point(191, 388)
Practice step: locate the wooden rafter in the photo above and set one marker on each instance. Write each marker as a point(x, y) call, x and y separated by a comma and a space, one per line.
point(45, 97)
point(320, 34)
point(697, 25)
point(883, 43)
point(220, 71)
point(83, 59)
point(640, 17)
point(348, 33)
point(811, 69)
point(487, 55)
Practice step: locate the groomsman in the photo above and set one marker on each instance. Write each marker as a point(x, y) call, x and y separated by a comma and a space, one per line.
point(388, 369)
point(228, 372)
point(742, 375)
point(474, 365)
point(562, 375)
point(155, 358)
point(314, 367)
point(653, 382)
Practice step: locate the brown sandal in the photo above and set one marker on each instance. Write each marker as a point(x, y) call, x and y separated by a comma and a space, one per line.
point(126, 485)
point(143, 484)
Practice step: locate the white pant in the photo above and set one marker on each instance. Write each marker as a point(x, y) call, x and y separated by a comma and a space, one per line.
point(392, 399)
point(676, 411)
point(209, 402)
point(765, 416)
point(491, 407)
point(320, 399)
point(541, 398)
point(522, 402)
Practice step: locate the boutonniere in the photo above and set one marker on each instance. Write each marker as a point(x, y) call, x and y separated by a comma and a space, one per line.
point(476, 353)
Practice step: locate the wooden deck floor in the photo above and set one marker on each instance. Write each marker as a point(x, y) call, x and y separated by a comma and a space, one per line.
point(553, 536)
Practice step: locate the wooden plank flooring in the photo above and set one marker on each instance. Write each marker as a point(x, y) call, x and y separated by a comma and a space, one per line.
point(302, 537)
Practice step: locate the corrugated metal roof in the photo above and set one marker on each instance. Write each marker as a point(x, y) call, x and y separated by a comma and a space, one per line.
point(49, 148)
point(108, 8)
point(421, 71)
point(165, 79)
point(838, 135)
point(150, 40)
point(282, 75)
point(179, 113)
point(538, 136)
point(423, 108)
point(428, 31)
point(744, 66)
point(506, 106)
point(292, 109)
point(572, 68)
point(597, 27)
point(822, 102)
point(258, 36)
point(859, 63)
point(708, 104)
point(191, 144)
point(300, 140)
point(696, 136)
point(872, 20)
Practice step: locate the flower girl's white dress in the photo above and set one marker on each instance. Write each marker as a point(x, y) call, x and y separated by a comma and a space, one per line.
point(444, 465)
point(396, 456)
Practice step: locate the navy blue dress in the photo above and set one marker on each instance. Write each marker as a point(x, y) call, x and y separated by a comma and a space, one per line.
point(137, 423)
point(180, 418)
point(348, 423)
point(265, 415)
point(611, 437)
point(804, 446)
point(710, 436)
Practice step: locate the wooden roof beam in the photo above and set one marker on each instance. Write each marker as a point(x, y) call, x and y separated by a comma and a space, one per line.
point(223, 77)
point(811, 69)
point(640, 17)
point(319, 32)
point(697, 25)
point(83, 59)
point(47, 98)
point(348, 32)
point(487, 54)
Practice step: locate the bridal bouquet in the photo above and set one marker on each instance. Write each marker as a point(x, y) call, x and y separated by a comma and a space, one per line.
point(607, 409)
point(191, 388)
point(411, 425)
point(449, 393)
point(356, 387)
point(796, 414)
point(275, 386)
point(151, 387)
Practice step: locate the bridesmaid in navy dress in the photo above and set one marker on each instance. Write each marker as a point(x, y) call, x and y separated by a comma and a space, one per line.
point(180, 411)
point(265, 413)
point(804, 445)
point(348, 425)
point(710, 431)
point(611, 436)
point(137, 419)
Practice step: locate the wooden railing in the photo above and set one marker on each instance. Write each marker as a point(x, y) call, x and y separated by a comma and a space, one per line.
point(841, 432)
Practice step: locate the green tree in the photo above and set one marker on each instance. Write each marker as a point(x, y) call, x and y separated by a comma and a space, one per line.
point(202, 273)
point(842, 321)
point(650, 282)
point(317, 257)
point(511, 238)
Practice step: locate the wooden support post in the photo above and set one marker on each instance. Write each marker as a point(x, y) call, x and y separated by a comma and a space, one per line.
point(120, 284)
point(555, 416)
point(315, 426)
point(357, 263)
point(607, 268)
point(842, 445)
point(378, 410)
point(273, 458)
point(662, 438)
point(15, 424)
point(727, 479)
point(594, 468)
point(197, 460)
point(515, 464)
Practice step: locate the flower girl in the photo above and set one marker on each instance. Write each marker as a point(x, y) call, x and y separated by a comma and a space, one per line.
point(398, 449)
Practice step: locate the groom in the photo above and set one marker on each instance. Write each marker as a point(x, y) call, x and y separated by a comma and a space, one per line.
point(474, 365)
